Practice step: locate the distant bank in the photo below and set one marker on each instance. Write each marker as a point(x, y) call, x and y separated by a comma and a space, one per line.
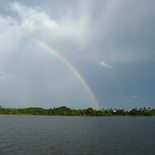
point(65, 111)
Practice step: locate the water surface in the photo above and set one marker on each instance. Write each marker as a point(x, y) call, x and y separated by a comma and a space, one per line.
point(77, 135)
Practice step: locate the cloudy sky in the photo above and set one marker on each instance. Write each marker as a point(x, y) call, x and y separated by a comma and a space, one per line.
point(80, 54)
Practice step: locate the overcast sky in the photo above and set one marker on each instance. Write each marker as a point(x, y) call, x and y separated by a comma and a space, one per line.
point(111, 43)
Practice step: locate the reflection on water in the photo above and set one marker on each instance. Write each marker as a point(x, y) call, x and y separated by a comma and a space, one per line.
point(77, 135)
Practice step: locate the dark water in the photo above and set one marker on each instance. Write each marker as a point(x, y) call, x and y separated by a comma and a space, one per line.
point(77, 135)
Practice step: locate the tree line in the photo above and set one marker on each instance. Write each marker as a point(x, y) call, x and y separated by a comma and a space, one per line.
point(65, 111)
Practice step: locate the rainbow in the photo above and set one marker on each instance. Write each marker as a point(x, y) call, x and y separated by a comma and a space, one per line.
point(71, 67)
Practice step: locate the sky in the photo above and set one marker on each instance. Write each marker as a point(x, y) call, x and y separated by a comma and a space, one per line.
point(79, 54)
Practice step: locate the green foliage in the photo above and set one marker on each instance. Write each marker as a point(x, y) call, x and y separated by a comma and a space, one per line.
point(65, 111)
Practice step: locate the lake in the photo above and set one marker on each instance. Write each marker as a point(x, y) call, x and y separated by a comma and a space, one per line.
point(61, 135)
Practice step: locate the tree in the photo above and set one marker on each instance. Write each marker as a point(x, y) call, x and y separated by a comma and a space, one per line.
point(90, 112)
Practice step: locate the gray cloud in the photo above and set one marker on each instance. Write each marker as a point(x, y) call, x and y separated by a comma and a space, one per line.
point(103, 64)
point(134, 96)
point(119, 32)
point(36, 67)
point(2, 75)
